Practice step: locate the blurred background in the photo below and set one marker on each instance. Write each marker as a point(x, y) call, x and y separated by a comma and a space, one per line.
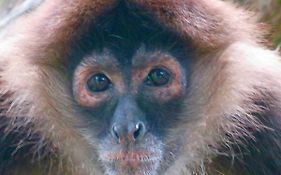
point(268, 12)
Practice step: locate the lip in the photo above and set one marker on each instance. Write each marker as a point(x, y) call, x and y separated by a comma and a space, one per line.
point(132, 163)
point(132, 157)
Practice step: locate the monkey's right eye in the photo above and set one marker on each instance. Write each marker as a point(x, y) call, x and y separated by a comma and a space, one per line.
point(158, 77)
point(98, 83)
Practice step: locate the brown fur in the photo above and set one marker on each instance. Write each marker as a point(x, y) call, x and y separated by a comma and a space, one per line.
point(231, 73)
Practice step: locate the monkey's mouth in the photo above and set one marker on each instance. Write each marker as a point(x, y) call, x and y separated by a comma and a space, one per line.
point(132, 157)
point(132, 162)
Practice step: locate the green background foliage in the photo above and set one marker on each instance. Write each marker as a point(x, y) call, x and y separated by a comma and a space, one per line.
point(270, 13)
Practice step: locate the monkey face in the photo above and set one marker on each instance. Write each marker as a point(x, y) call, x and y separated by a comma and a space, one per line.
point(130, 104)
point(129, 88)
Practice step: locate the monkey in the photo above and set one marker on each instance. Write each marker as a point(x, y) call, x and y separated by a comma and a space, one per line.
point(135, 87)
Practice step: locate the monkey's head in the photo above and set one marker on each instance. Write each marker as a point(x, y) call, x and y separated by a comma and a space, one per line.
point(130, 87)
point(129, 82)
point(113, 99)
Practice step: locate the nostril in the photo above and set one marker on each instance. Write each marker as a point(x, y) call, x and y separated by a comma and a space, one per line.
point(121, 133)
point(139, 131)
point(114, 132)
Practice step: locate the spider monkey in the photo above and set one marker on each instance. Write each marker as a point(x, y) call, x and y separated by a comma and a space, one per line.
point(135, 87)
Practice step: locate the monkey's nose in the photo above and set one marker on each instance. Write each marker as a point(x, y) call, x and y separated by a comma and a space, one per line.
point(130, 133)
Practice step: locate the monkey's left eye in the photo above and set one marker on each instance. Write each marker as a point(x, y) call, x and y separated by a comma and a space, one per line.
point(158, 77)
point(98, 83)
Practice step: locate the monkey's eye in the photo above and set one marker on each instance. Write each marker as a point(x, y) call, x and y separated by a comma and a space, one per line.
point(98, 83)
point(158, 77)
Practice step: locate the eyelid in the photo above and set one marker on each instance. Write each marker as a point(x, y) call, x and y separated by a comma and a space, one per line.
point(162, 67)
point(92, 73)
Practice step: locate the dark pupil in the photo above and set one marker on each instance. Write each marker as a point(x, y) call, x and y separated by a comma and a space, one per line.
point(158, 77)
point(98, 83)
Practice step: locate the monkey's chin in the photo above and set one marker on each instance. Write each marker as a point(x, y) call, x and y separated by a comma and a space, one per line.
point(132, 164)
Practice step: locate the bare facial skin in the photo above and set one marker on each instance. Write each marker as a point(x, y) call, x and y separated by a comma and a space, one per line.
point(132, 145)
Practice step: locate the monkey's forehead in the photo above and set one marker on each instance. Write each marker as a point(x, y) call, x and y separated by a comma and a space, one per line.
point(210, 24)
